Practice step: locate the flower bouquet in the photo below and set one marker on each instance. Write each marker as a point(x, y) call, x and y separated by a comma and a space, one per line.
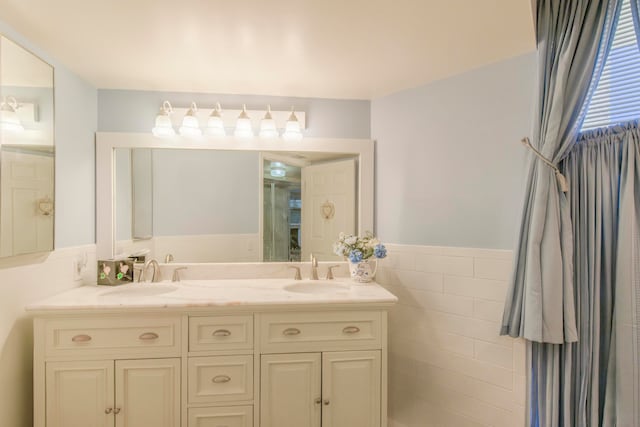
point(362, 253)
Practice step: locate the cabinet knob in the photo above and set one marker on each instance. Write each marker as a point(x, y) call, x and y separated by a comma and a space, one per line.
point(149, 336)
point(351, 330)
point(318, 401)
point(219, 379)
point(221, 333)
point(108, 411)
point(291, 331)
point(81, 338)
point(326, 402)
point(116, 411)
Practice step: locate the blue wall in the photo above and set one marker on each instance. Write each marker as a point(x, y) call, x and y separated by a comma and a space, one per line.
point(449, 168)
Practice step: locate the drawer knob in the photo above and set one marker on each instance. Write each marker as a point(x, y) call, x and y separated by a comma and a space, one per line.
point(291, 331)
point(351, 330)
point(221, 333)
point(219, 379)
point(81, 338)
point(147, 336)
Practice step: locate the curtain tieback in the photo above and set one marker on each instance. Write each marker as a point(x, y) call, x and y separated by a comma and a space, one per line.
point(562, 181)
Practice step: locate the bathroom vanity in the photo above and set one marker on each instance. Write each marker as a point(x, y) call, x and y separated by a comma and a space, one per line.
point(213, 353)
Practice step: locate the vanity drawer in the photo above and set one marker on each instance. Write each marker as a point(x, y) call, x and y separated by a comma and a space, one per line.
point(124, 337)
point(225, 416)
point(220, 379)
point(220, 333)
point(320, 331)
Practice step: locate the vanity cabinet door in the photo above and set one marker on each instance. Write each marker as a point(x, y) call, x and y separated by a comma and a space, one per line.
point(79, 394)
point(290, 390)
point(351, 389)
point(147, 393)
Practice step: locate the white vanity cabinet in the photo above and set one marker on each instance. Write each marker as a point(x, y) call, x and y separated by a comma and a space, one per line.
point(100, 371)
point(330, 389)
point(215, 367)
point(220, 370)
point(325, 369)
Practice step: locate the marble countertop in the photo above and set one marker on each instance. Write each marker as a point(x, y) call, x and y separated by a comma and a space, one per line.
point(215, 293)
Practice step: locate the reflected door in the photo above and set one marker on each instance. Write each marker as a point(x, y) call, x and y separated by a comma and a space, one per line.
point(26, 202)
point(328, 206)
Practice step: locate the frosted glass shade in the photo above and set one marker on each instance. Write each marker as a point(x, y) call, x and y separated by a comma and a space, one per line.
point(190, 125)
point(292, 130)
point(9, 120)
point(268, 129)
point(215, 124)
point(163, 126)
point(243, 125)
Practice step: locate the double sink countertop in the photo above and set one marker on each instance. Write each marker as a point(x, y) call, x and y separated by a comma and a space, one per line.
point(216, 293)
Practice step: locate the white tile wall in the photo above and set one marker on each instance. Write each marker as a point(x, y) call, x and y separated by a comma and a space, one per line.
point(25, 279)
point(448, 365)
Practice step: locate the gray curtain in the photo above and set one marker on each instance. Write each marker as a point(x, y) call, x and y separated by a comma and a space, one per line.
point(573, 37)
point(580, 384)
point(622, 399)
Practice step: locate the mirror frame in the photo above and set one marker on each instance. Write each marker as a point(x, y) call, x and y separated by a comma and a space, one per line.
point(107, 142)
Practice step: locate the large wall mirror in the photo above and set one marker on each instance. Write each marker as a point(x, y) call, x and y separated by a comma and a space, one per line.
point(230, 201)
point(27, 154)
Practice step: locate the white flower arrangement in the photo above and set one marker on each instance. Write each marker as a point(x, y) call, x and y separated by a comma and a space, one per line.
point(357, 248)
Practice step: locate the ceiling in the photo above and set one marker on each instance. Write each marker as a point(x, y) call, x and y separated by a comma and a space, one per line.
point(350, 49)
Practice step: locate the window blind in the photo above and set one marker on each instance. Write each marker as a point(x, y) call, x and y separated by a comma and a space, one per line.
point(617, 95)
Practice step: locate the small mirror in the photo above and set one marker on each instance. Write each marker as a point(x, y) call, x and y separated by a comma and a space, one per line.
point(26, 151)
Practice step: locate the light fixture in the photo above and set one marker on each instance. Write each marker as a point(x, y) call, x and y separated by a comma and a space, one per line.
point(292, 128)
point(215, 125)
point(243, 125)
point(268, 128)
point(163, 126)
point(190, 125)
point(9, 120)
point(278, 170)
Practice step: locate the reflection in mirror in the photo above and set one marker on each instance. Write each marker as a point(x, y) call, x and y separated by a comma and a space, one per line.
point(214, 206)
point(26, 151)
point(282, 200)
point(142, 193)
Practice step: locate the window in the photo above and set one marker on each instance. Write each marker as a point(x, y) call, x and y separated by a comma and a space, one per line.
point(617, 95)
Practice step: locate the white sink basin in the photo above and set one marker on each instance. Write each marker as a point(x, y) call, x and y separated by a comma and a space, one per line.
point(140, 290)
point(317, 287)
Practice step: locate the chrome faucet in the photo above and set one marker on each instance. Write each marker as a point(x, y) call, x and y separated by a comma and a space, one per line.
point(176, 274)
point(314, 268)
point(156, 271)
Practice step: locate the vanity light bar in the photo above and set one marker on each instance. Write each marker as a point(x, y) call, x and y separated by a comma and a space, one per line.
point(230, 120)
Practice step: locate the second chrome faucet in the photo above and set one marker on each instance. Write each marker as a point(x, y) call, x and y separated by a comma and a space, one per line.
point(314, 270)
